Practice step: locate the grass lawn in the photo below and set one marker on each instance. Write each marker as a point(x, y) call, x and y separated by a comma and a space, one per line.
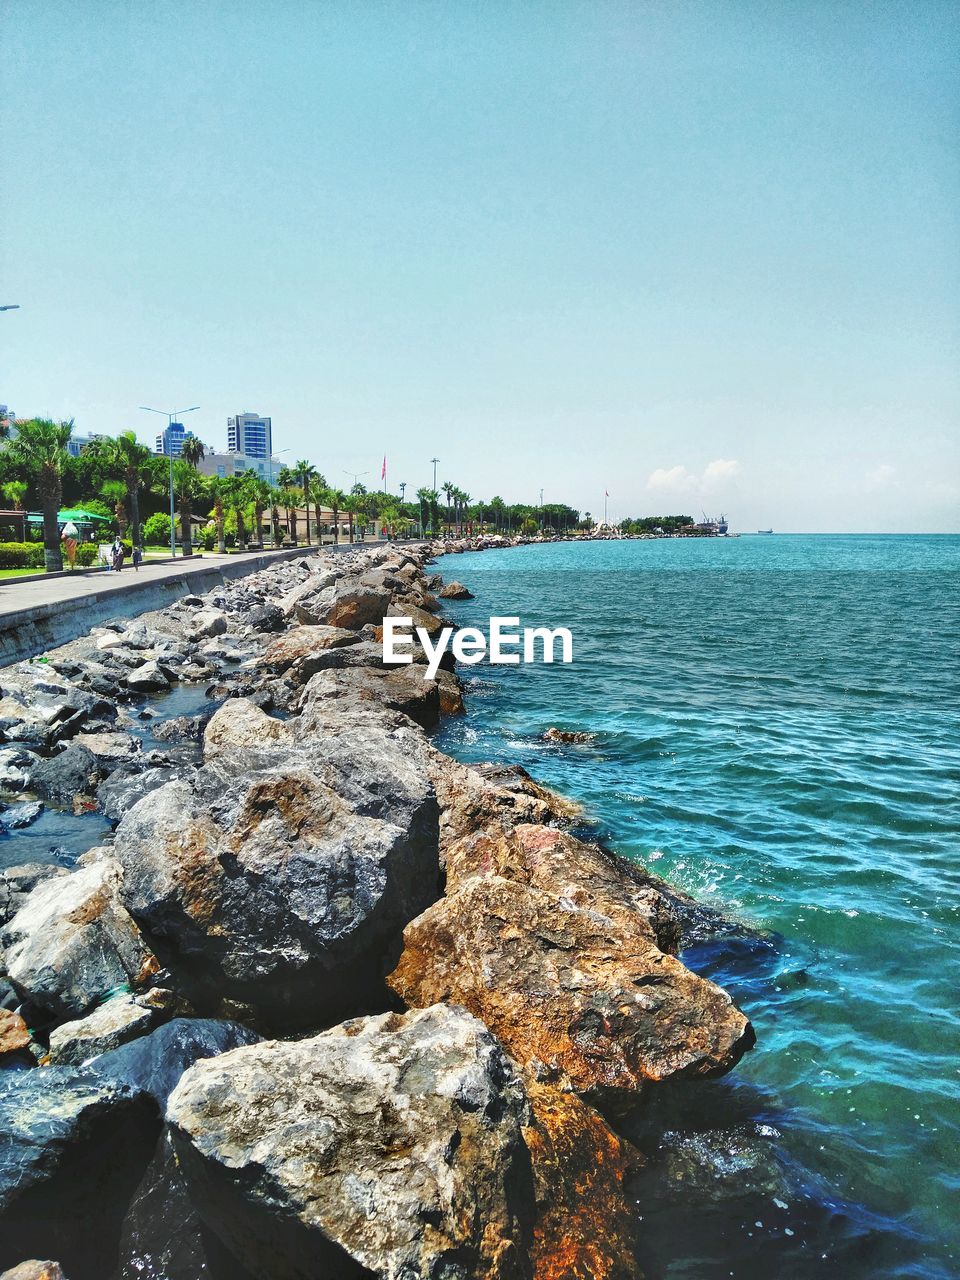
point(17, 573)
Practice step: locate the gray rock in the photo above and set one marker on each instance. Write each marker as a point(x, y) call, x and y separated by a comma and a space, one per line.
point(16, 765)
point(74, 772)
point(265, 617)
point(127, 785)
point(147, 679)
point(17, 816)
point(16, 883)
point(163, 1237)
point(207, 622)
point(69, 1139)
point(402, 689)
point(72, 942)
point(392, 1144)
point(282, 876)
point(107, 1027)
point(155, 1063)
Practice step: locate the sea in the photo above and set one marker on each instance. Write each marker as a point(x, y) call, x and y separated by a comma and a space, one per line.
point(776, 730)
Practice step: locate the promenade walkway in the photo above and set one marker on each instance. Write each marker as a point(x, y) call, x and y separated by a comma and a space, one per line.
point(43, 612)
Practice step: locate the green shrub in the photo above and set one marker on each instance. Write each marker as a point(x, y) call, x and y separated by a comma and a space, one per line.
point(156, 530)
point(21, 555)
point(208, 539)
point(87, 554)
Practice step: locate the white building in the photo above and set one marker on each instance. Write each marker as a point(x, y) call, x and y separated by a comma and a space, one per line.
point(229, 464)
point(250, 435)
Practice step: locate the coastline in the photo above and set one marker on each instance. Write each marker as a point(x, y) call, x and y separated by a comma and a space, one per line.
point(317, 860)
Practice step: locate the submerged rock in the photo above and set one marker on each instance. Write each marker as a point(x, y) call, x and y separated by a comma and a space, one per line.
point(392, 1143)
point(72, 942)
point(17, 816)
point(284, 878)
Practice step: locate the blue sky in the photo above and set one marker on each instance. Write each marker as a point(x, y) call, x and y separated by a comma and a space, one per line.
point(701, 255)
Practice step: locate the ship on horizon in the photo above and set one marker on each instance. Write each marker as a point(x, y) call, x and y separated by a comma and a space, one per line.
point(715, 525)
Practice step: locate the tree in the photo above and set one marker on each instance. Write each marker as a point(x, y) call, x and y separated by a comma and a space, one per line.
point(305, 472)
point(291, 500)
point(115, 491)
point(238, 497)
point(126, 460)
point(189, 488)
point(156, 530)
point(41, 446)
point(193, 451)
point(336, 499)
point(218, 487)
point(261, 495)
point(15, 491)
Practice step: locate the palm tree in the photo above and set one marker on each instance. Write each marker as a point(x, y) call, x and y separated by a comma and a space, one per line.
point(193, 451)
point(291, 500)
point(262, 496)
point(115, 492)
point(41, 447)
point(305, 472)
point(219, 489)
point(449, 489)
point(336, 499)
point(238, 499)
point(189, 487)
point(15, 491)
point(131, 462)
point(498, 507)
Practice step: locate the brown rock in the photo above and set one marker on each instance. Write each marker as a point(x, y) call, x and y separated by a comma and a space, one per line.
point(576, 736)
point(240, 723)
point(294, 648)
point(400, 689)
point(585, 1226)
point(455, 591)
point(14, 1036)
point(431, 624)
point(451, 697)
point(570, 985)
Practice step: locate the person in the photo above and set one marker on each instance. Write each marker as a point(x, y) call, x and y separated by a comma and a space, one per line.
point(69, 539)
point(137, 556)
point(117, 553)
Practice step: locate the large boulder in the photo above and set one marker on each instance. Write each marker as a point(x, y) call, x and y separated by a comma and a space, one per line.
point(298, 648)
point(402, 689)
point(62, 778)
point(573, 985)
point(586, 1226)
point(284, 877)
point(73, 942)
point(391, 1145)
point(34, 1270)
point(107, 1027)
point(355, 603)
point(72, 1147)
point(17, 883)
point(155, 1063)
point(455, 591)
point(240, 723)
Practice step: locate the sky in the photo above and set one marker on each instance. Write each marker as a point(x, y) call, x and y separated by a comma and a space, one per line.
point(704, 256)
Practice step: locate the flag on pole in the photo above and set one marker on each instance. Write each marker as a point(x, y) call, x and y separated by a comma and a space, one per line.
point(383, 469)
point(606, 494)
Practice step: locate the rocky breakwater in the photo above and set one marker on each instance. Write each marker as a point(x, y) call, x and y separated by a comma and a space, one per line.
point(325, 1002)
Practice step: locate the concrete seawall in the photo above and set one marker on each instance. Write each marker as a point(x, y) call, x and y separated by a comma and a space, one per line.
point(26, 632)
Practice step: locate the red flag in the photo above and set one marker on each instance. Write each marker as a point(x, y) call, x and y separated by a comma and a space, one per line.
point(383, 469)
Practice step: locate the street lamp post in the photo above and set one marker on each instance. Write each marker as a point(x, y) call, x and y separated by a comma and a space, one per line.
point(170, 417)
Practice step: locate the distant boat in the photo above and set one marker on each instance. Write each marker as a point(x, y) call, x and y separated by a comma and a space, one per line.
point(715, 526)
point(764, 531)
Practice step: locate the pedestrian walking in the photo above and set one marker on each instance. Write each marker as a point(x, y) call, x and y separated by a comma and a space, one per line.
point(137, 557)
point(117, 553)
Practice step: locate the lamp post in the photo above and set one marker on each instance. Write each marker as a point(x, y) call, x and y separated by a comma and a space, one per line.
point(177, 413)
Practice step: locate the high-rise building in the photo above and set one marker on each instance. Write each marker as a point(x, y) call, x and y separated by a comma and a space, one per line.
point(250, 435)
point(170, 440)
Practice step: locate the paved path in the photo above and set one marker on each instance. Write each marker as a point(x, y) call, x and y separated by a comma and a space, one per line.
point(16, 594)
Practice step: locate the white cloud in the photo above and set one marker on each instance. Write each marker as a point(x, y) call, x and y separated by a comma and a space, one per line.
point(678, 480)
point(881, 475)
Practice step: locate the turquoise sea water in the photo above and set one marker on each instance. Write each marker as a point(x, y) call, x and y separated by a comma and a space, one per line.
point(777, 731)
